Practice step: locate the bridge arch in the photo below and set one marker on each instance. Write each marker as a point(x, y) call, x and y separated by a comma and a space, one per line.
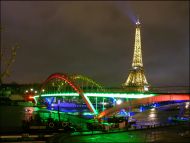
point(62, 77)
point(76, 88)
point(76, 78)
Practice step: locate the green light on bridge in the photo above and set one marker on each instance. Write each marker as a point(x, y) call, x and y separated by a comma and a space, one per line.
point(116, 95)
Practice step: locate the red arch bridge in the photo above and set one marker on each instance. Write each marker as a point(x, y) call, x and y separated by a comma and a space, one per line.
point(81, 89)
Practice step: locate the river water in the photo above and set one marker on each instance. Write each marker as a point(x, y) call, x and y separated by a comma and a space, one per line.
point(11, 116)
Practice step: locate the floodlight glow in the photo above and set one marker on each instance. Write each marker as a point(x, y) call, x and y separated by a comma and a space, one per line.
point(119, 101)
point(31, 97)
point(145, 88)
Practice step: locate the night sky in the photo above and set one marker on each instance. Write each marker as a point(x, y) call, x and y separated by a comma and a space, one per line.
point(96, 39)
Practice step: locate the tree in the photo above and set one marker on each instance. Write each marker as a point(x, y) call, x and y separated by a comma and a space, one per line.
point(7, 62)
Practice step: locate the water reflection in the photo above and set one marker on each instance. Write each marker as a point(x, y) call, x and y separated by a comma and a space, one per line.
point(187, 105)
point(156, 115)
point(12, 116)
point(161, 114)
point(153, 114)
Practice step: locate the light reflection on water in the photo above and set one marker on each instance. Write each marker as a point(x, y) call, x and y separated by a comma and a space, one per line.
point(161, 114)
point(152, 114)
point(12, 116)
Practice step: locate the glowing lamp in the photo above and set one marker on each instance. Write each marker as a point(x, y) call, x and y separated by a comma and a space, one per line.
point(146, 88)
point(31, 97)
point(119, 101)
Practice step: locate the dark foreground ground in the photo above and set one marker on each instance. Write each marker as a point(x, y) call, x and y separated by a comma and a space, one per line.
point(177, 134)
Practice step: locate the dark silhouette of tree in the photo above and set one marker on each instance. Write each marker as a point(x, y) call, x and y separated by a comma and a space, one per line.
point(7, 62)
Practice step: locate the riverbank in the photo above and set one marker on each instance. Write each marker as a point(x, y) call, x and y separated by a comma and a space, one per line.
point(182, 128)
point(175, 133)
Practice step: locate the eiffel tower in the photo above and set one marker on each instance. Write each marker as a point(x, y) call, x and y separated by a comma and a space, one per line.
point(136, 81)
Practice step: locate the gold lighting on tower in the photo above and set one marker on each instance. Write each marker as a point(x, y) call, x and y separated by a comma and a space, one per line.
point(136, 80)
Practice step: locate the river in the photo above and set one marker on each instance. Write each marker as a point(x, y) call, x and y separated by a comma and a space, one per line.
point(11, 116)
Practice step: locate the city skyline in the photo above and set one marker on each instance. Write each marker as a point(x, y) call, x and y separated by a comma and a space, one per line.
point(96, 39)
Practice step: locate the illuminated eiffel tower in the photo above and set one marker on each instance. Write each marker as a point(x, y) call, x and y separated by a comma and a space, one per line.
point(136, 81)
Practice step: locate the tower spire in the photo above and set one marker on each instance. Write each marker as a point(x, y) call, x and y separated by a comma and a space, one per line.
point(136, 80)
point(137, 56)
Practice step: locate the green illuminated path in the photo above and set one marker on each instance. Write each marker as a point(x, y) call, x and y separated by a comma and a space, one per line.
point(116, 95)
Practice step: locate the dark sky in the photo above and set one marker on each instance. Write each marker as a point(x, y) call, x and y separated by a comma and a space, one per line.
point(97, 39)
